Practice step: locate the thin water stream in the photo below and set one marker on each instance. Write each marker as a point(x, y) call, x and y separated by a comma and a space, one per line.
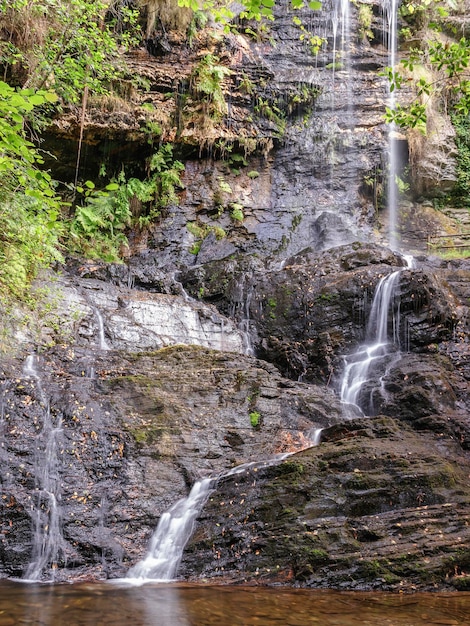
point(176, 525)
point(390, 14)
point(47, 546)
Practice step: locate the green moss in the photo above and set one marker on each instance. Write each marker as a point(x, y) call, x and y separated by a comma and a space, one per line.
point(255, 419)
point(145, 434)
point(290, 467)
point(359, 481)
point(461, 583)
point(296, 221)
point(317, 556)
point(365, 16)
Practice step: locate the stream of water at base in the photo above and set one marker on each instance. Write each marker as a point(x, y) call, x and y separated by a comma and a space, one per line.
point(205, 605)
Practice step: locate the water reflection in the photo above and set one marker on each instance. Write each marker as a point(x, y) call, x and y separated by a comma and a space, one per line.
point(200, 605)
point(164, 607)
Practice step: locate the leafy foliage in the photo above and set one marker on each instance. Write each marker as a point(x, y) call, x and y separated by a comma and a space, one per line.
point(206, 84)
point(252, 9)
point(461, 124)
point(67, 45)
point(448, 62)
point(444, 64)
point(29, 207)
point(98, 228)
point(99, 222)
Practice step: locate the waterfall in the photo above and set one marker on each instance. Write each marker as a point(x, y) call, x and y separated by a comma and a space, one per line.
point(48, 541)
point(176, 525)
point(381, 348)
point(390, 10)
point(103, 344)
point(171, 536)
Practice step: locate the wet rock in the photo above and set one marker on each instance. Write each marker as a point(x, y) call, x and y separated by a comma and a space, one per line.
point(306, 314)
point(375, 505)
point(133, 432)
point(102, 315)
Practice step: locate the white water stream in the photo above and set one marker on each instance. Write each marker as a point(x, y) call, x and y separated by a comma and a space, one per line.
point(47, 536)
point(103, 344)
point(174, 529)
point(176, 525)
point(363, 369)
point(390, 13)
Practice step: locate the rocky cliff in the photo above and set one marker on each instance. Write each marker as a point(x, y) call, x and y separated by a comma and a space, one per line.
point(132, 380)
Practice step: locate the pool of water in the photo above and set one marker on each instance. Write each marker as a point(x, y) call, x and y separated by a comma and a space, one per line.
point(176, 604)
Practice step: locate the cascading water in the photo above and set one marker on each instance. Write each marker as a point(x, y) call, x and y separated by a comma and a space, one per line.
point(48, 541)
point(363, 370)
point(171, 536)
point(390, 13)
point(176, 525)
point(103, 344)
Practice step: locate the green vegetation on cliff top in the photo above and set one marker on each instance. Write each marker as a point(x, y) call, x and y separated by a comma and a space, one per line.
point(60, 53)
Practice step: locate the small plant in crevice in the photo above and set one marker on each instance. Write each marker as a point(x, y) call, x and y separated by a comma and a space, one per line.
point(272, 112)
point(246, 85)
point(365, 16)
point(220, 194)
point(236, 212)
point(373, 187)
point(206, 84)
point(314, 42)
point(199, 20)
point(201, 231)
point(296, 219)
point(255, 419)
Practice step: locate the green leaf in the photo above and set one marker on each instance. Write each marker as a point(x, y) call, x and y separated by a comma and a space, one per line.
point(50, 96)
point(36, 99)
point(112, 187)
point(315, 5)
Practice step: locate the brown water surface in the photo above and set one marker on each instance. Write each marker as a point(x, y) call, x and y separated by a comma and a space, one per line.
point(204, 605)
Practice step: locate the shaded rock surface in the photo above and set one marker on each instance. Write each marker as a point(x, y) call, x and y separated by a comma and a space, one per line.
point(312, 310)
point(294, 142)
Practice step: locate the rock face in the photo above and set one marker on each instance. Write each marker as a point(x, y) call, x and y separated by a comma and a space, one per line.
point(375, 506)
point(128, 443)
point(304, 316)
point(98, 440)
point(221, 341)
point(298, 143)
